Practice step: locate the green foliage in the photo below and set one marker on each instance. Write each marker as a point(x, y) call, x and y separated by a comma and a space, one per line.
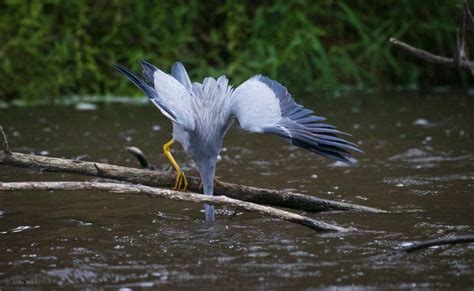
point(57, 48)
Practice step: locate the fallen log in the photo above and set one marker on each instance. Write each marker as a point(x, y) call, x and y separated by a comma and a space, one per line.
point(173, 195)
point(167, 180)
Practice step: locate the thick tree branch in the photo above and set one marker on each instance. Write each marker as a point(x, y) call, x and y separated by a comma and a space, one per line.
point(167, 180)
point(436, 242)
point(172, 195)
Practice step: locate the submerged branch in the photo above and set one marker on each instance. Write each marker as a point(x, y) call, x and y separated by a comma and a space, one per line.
point(436, 242)
point(167, 180)
point(172, 195)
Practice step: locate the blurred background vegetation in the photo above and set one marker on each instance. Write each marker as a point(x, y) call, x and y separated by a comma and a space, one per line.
point(55, 48)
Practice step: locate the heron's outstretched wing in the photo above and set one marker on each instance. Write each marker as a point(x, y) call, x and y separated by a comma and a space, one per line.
point(165, 91)
point(264, 105)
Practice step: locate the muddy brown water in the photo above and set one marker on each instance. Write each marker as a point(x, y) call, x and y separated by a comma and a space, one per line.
point(419, 164)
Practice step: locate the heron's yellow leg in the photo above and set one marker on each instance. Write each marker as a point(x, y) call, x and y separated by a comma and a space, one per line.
point(181, 182)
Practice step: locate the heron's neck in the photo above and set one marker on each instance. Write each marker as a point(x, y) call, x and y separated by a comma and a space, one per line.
point(207, 177)
point(207, 170)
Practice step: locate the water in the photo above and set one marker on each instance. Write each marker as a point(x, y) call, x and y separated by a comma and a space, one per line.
point(419, 164)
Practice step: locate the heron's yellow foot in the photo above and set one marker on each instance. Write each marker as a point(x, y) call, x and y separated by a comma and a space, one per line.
point(181, 181)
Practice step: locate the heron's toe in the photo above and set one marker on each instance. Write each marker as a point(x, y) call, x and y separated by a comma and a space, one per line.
point(185, 183)
point(181, 182)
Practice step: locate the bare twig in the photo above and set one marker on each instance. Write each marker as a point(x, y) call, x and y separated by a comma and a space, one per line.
point(173, 195)
point(436, 242)
point(461, 53)
point(469, 17)
point(429, 57)
point(137, 153)
point(6, 147)
point(99, 170)
point(460, 57)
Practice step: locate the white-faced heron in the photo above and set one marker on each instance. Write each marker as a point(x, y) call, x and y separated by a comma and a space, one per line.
point(202, 113)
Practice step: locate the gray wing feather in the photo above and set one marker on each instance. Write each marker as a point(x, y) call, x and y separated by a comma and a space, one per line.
point(179, 73)
point(147, 88)
point(303, 128)
point(166, 92)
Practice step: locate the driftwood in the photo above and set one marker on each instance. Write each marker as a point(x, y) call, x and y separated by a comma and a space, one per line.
point(461, 56)
point(436, 242)
point(167, 180)
point(173, 195)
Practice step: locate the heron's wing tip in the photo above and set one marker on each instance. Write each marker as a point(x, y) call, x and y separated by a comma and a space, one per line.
point(120, 68)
